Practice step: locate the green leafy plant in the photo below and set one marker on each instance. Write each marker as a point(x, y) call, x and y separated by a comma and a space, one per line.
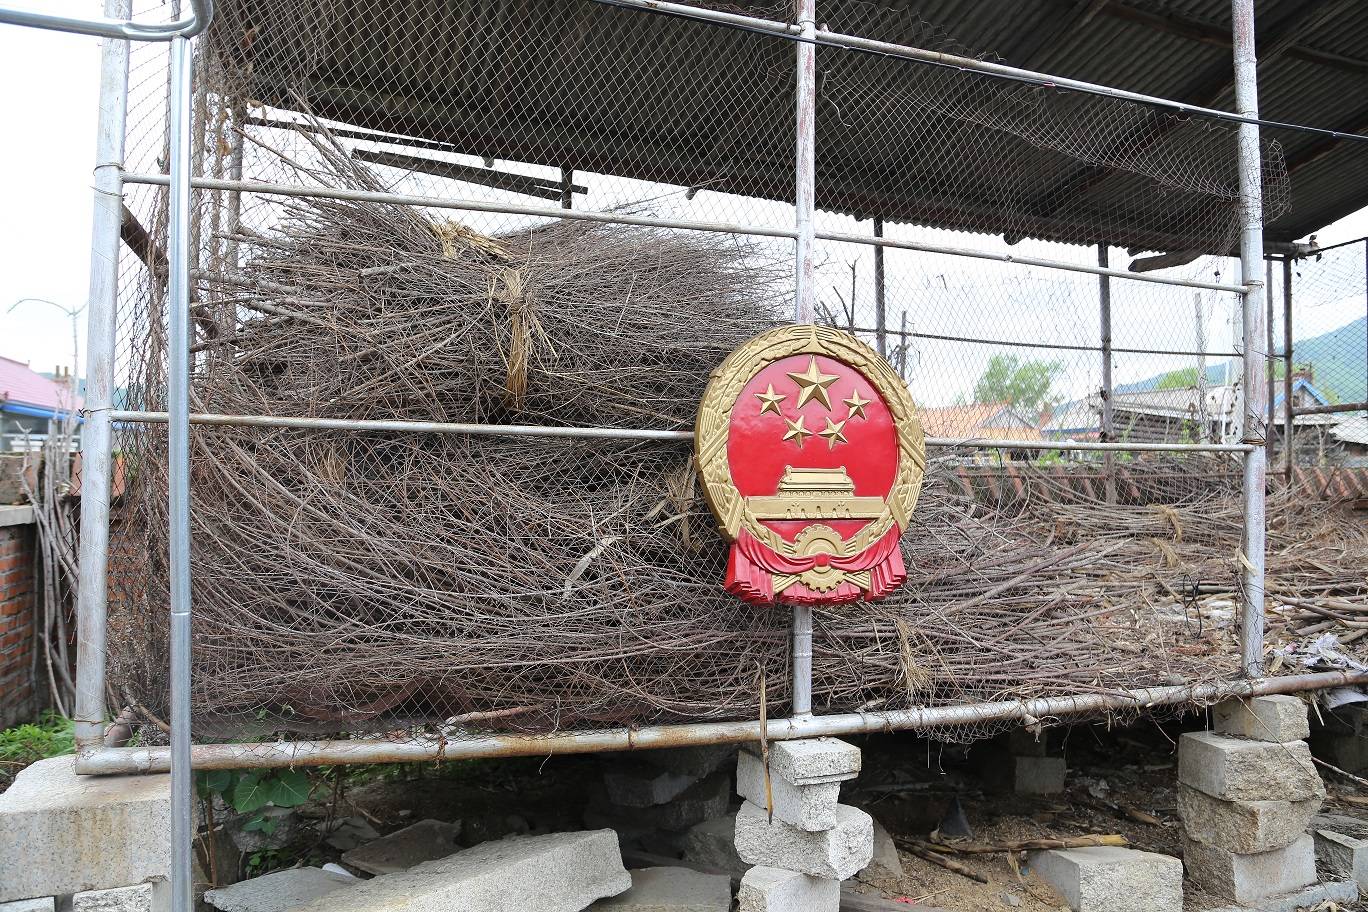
point(51, 736)
point(254, 792)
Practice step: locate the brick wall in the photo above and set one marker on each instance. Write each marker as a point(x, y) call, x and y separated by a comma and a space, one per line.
point(18, 693)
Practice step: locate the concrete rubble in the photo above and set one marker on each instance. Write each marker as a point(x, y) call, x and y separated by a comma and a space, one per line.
point(279, 891)
point(557, 872)
point(1312, 897)
point(40, 904)
point(1246, 795)
point(705, 799)
point(423, 841)
point(712, 844)
point(1112, 879)
point(808, 807)
point(61, 833)
point(669, 889)
point(139, 898)
point(1341, 848)
point(837, 853)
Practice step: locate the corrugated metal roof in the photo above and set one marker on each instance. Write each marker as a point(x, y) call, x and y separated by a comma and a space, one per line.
point(623, 92)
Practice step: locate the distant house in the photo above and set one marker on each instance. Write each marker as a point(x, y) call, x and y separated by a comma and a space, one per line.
point(979, 421)
point(28, 402)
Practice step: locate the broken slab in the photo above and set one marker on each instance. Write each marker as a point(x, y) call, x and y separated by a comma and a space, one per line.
point(701, 801)
point(1234, 769)
point(712, 844)
point(558, 872)
point(811, 761)
point(279, 891)
point(1244, 826)
point(1342, 854)
point(669, 889)
point(402, 849)
point(139, 898)
point(695, 762)
point(1280, 718)
point(1038, 775)
point(39, 904)
point(808, 807)
point(1248, 878)
point(835, 854)
point(61, 833)
point(766, 889)
point(644, 786)
point(1112, 879)
point(885, 863)
point(1341, 892)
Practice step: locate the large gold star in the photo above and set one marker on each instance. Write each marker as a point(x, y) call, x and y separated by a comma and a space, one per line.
point(812, 384)
point(856, 405)
point(833, 433)
point(769, 400)
point(796, 431)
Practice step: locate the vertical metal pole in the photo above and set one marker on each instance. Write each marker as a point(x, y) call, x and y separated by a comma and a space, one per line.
point(1108, 419)
point(1289, 419)
point(804, 203)
point(101, 326)
point(880, 311)
point(1251, 253)
point(567, 188)
point(1271, 363)
point(178, 461)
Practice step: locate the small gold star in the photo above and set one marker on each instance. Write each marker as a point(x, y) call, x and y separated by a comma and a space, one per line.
point(856, 405)
point(833, 433)
point(812, 384)
point(796, 431)
point(769, 400)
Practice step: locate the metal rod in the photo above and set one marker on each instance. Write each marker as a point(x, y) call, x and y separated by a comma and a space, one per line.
point(1270, 364)
point(1105, 326)
point(1289, 422)
point(612, 218)
point(538, 430)
point(955, 62)
point(178, 460)
point(201, 12)
point(804, 209)
point(92, 593)
point(1251, 254)
point(104, 760)
point(880, 311)
point(1340, 408)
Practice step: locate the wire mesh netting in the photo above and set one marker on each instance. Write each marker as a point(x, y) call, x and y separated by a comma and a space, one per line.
point(349, 581)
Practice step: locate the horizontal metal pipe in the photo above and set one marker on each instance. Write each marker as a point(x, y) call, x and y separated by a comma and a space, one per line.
point(107, 760)
point(612, 218)
point(1331, 409)
point(187, 26)
point(597, 433)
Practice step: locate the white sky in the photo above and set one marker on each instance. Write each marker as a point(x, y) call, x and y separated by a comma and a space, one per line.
point(49, 103)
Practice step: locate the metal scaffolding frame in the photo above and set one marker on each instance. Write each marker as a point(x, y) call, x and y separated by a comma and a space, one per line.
point(95, 758)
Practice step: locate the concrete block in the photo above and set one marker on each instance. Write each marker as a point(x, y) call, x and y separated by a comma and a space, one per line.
point(41, 904)
point(886, 863)
point(812, 761)
point(1251, 877)
point(835, 854)
point(671, 890)
point(712, 844)
point(558, 872)
point(1112, 879)
point(808, 807)
point(1234, 769)
point(695, 762)
point(1038, 775)
point(401, 850)
point(765, 889)
point(1024, 743)
point(1279, 718)
point(279, 891)
point(644, 786)
point(1341, 892)
point(1244, 826)
point(140, 898)
point(704, 800)
point(61, 833)
point(1342, 854)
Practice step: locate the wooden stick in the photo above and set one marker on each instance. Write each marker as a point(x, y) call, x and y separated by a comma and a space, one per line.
point(1028, 845)
point(921, 851)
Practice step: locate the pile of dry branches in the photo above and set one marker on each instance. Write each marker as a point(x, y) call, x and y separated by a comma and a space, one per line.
point(348, 581)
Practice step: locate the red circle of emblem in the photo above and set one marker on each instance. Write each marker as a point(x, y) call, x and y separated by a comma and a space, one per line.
point(811, 456)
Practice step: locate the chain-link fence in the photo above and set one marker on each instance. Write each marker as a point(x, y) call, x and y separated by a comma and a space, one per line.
point(564, 215)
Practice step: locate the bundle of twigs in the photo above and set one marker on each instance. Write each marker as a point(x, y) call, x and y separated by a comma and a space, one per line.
point(350, 580)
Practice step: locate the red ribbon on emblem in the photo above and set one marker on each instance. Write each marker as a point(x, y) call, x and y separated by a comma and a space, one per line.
point(753, 565)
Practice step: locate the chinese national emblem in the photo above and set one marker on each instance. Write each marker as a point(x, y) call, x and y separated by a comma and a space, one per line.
point(811, 455)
